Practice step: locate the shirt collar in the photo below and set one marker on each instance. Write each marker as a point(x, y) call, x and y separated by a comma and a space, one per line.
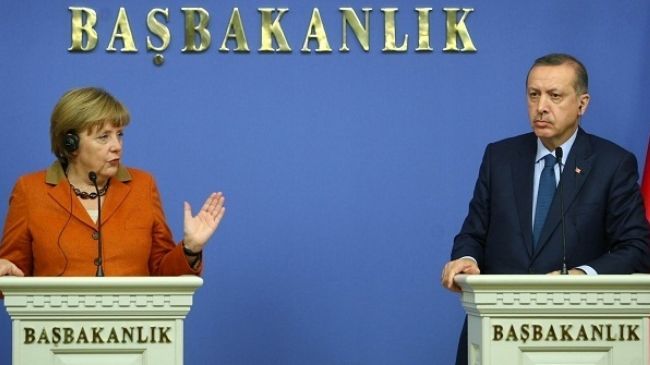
point(566, 148)
point(55, 174)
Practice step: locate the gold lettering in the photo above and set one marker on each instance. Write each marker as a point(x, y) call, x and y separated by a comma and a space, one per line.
point(112, 337)
point(97, 332)
point(122, 30)
point(235, 30)
point(273, 30)
point(457, 30)
point(524, 333)
point(350, 18)
point(192, 29)
point(609, 333)
point(390, 43)
point(79, 29)
point(537, 332)
point(424, 44)
point(621, 329)
point(566, 336)
point(498, 333)
point(82, 336)
point(56, 335)
point(596, 332)
point(68, 335)
point(158, 29)
point(140, 338)
point(43, 337)
point(582, 334)
point(127, 332)
point(163, 338)
point(29, 336)
point(550, 335)
point(316, 31)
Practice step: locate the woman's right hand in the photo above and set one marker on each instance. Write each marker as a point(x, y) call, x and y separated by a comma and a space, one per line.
point(8, 268)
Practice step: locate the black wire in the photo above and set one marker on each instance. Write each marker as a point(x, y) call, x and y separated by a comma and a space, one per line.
point(58, 240)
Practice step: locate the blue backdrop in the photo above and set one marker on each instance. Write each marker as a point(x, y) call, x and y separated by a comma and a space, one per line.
point(346, 174)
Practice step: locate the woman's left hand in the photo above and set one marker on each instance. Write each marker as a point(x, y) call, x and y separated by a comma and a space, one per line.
point(199, 228)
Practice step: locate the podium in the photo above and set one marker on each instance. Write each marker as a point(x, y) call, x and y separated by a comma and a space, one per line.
point(557, 320)
point(98, 321)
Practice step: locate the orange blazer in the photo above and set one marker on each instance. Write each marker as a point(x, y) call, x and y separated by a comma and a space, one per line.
point(49, 233)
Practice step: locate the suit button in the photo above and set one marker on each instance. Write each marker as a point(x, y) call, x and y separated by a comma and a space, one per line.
point(95, 235)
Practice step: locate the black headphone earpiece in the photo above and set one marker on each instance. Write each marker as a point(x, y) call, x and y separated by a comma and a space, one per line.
point(71, 141)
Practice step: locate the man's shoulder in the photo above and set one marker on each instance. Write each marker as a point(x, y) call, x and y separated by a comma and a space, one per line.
point(605, 147)
point(522, 143)
point(525, 139)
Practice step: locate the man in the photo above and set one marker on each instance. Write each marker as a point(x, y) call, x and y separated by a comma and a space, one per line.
point(514, 220)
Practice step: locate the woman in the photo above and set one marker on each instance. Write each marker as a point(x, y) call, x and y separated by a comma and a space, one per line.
point(51, 227)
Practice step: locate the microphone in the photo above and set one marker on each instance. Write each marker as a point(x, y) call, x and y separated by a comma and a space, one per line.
point(99, 261)
point(558, 159)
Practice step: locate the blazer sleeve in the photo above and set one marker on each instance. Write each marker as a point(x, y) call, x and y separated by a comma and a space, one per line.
point(470, 241)
point(16, 239)
point(626, 227)
point(167, 258)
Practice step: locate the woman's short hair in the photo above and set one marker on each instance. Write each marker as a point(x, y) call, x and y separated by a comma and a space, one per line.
point(83, 110)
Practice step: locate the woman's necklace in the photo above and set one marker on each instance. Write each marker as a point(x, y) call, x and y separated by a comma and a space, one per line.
point(93, 195)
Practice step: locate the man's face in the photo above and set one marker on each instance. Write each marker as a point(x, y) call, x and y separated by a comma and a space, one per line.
point(554, 107)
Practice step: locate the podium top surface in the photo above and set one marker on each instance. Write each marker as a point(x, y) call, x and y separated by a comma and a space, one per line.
point(138, 283)
point(563, 282)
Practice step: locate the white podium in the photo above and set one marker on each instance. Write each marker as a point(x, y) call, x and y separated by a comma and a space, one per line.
point(98, 321)
point(557, 320)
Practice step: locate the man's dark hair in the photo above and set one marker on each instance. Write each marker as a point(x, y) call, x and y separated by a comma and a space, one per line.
point(581, 83)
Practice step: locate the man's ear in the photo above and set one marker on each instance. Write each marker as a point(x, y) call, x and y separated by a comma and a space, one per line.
point(583, 103)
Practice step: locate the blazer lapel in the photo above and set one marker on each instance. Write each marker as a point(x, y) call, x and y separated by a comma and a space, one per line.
point(62, 193)
point(523, 170)
point(574, 175)
point(115, 197)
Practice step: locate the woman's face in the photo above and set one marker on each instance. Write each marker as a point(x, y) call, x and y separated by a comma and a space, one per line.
point(100, 150)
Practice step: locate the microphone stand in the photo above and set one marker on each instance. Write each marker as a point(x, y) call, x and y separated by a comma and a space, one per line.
point(558, 157)
point(99, 261)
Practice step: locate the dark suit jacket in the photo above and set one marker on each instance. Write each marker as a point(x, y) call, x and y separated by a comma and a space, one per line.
point(48, 232)
point(605, 223)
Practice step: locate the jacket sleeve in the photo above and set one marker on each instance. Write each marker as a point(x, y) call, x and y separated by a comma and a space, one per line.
point(16, 239)
point(626, 227)
point(470, 241)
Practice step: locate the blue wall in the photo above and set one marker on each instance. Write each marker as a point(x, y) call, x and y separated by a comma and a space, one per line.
point(346, 175)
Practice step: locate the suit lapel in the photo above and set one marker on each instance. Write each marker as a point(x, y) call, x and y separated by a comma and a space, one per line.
point(574, 175)
point(523, 169)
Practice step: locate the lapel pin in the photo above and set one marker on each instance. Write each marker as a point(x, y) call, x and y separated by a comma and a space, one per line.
point(578, 170)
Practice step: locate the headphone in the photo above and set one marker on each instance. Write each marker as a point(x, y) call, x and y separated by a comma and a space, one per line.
point(71, 141)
